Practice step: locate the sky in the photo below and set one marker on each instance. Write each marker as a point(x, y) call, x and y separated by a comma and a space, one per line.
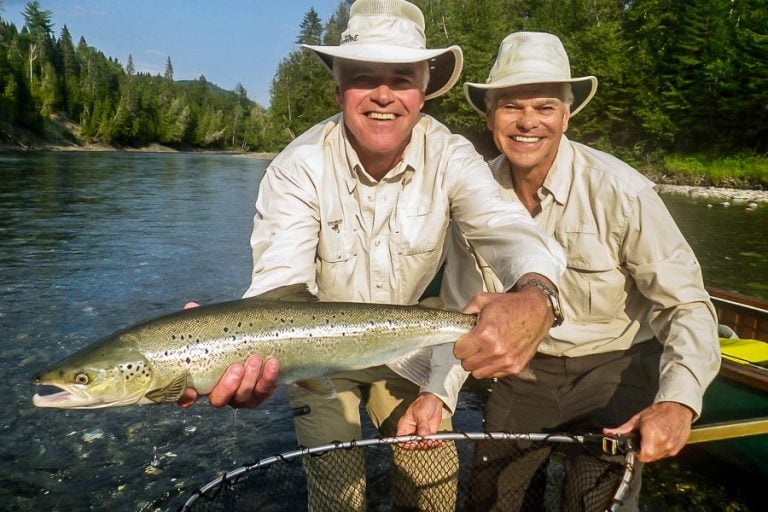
point(227, 41)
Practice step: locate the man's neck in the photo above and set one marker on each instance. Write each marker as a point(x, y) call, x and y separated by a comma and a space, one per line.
point(527, 183)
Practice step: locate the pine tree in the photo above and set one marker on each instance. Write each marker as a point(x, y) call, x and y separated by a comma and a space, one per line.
point(168, 70)
point(311, 29)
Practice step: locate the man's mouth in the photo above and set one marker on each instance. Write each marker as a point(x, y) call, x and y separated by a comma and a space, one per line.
point(382, 116)
point(525, 139)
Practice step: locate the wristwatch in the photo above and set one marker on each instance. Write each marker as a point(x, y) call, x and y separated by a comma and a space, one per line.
point(552, 296)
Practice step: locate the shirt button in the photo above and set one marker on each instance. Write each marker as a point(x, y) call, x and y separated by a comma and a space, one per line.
point(379, 286)
point(377, 243)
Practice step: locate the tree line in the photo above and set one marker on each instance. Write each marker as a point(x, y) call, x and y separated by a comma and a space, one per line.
point(675, 78)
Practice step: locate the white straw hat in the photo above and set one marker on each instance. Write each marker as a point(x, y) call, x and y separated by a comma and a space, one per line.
point(392, 31)
point(531, 58)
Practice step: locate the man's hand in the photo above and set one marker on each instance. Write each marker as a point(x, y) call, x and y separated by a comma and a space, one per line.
point(422, 418)
point(664, 429)
point(508, 331)
point(241, 386)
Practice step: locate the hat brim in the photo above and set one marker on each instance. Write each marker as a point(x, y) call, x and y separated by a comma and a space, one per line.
point(584, 89)
point(445, 64)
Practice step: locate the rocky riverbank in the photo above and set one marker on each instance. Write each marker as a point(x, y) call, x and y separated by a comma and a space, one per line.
point(719, 196)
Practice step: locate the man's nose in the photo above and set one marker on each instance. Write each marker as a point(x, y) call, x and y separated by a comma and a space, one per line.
point(382, 94)
point(528, 119)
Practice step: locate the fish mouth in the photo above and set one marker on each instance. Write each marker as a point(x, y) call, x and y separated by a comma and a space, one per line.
point(72, 397)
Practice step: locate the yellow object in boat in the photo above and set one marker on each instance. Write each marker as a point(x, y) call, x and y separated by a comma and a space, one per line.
point(744, 351)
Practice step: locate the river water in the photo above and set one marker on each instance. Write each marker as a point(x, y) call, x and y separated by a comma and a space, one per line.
point(93, 242)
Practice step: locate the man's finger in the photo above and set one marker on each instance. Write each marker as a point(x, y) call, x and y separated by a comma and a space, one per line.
point(188, 398)
point(227, 386)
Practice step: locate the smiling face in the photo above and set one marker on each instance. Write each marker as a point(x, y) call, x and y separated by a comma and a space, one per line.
point(527, 122)
point(381, 105)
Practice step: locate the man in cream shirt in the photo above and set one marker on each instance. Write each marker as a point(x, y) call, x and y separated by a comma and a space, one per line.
point(639, 343)
point(359, 208)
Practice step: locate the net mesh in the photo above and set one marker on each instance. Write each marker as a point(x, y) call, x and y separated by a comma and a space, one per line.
point(554, 473)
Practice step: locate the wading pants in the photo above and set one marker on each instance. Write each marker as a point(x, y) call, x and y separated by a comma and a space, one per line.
point(424, 480)
point(574, 395)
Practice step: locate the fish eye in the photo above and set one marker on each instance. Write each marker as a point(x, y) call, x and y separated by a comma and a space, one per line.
point(81, 378)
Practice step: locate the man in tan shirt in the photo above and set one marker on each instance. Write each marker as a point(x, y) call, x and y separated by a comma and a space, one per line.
point(359, 208)
point(639, 343)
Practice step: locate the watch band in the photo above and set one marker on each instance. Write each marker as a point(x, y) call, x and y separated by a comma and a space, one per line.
point(552, 297)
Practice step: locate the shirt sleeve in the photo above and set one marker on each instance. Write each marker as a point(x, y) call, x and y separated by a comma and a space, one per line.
point(500, 230)
point(447, 376)
point(285, 232)
point(682, 317)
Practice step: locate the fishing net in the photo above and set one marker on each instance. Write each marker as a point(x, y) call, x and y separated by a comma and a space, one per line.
point(568, 473)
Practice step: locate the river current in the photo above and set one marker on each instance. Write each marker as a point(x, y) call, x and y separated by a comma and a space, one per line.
point(93, 242)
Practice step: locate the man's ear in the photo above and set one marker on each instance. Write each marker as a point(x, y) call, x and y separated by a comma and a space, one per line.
point(337, 93)
point(566, 118)
point(489, 119)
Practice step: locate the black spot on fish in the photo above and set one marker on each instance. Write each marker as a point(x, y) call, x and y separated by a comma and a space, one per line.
point(226, 329)
point(188, 360)
point(129, 366)
point(173, 336)
point(239, 324)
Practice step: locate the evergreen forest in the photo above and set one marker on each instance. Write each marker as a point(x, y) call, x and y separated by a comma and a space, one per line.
point(675, 78)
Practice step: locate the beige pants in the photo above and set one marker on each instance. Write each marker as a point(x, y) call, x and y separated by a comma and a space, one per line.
point(424, 480)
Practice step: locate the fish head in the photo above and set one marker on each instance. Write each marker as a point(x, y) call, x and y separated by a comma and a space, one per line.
point(107, 375)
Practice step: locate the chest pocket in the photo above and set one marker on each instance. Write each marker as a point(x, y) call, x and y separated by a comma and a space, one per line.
point(594, 282)
point(421, 229)
point(336, 246)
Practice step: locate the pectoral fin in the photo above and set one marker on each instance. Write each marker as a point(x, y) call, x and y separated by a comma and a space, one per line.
point(171, 392)
point(322, 387)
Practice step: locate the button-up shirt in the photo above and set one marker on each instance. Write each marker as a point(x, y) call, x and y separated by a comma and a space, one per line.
point(322, 220)
point(630, 275)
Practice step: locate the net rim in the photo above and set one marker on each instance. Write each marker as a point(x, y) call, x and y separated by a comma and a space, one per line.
point(614, 445)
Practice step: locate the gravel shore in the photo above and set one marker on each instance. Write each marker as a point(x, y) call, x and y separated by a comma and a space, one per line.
point(721, 196)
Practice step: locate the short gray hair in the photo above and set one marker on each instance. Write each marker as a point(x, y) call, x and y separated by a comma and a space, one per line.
point(566, 95)
point(340, 66)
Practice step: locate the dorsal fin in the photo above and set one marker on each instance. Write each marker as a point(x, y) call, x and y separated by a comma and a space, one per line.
point(432, 303)
point(292, 293)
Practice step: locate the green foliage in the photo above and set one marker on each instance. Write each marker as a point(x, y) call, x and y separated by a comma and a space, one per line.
point(684, 78)
point(739, 170)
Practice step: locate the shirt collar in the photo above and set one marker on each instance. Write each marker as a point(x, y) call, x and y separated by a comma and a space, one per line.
point(559, 178)
point(413, 153)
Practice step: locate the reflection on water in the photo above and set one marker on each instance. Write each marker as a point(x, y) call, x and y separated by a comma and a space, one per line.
point(92, 242)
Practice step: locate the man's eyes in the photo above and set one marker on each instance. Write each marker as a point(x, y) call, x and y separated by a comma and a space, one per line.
point(371, 81)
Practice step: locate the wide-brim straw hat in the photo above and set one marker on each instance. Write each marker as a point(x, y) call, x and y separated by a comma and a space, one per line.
point(531, 58)
point(392, 31)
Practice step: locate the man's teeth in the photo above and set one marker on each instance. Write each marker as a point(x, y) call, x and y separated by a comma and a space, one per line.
point(382, 116)
point(520, 138)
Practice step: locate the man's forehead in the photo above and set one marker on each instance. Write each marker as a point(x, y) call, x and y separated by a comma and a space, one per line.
point(532, 91)
point(400, 68)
